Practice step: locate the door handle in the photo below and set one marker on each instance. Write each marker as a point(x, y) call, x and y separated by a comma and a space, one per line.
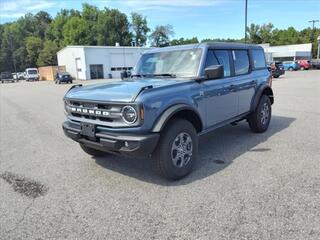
point(232, 88)
point(253, 82)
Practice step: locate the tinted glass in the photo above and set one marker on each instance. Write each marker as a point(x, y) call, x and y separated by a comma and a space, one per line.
point(223, 59)
point(241, 62)
point(258, 59)
point(211, 59)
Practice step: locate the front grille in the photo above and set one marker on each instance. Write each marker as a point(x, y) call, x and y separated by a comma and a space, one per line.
point(94, 111)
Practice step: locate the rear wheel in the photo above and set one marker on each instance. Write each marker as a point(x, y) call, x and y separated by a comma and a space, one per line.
point(92, 151)
point(177, 150)
point(259, 120)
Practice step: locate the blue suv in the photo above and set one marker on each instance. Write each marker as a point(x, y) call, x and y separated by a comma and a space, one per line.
point(291, 65)
point(174, 95)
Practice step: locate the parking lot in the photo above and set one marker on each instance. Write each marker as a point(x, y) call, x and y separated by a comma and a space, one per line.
point(245, 185)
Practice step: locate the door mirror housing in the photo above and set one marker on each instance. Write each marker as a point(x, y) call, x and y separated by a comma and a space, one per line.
point(214, 72)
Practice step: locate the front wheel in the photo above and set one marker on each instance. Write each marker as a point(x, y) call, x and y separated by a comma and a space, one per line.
point(93, 152)
point(177, 150)
point(259, 120)
point(301, 68)
point(290, 69)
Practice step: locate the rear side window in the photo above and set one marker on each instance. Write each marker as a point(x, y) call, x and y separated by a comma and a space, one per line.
point(241, 61)
point(259, 60)
point(223, 59)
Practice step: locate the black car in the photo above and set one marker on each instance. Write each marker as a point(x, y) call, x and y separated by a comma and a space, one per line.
point(63, 77)
point(315, 63)
point(277, 69)
point(7, 77)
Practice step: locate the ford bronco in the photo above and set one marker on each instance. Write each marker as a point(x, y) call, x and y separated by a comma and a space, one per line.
point(174, 95)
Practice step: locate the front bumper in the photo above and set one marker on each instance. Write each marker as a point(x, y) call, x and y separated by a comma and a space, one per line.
point(120, 143)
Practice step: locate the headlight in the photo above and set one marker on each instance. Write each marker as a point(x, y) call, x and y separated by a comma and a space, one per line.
point(129, 114)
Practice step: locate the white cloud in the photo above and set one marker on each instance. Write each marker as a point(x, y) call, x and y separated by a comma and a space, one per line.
point(14, 9)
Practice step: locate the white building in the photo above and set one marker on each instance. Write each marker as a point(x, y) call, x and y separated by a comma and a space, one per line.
point(93, 62)
point(288, 52)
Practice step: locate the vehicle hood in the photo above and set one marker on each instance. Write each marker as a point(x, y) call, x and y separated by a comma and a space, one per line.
point(118, 91)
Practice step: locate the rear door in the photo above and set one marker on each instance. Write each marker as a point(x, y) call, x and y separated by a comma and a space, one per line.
point(245, 81)
point(219, 94)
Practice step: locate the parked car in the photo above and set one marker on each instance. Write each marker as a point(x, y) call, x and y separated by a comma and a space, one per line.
point(174, 95)
point(276, 69)
point(7, 77)
point(31, 74)
point(304, 64)
point(315, 63)
point(291, 65)
point(63, 77)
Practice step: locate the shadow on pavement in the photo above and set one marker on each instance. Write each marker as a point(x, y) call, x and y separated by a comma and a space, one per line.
point(217, 150)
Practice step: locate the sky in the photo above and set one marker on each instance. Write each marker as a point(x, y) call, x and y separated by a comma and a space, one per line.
point(189, 18)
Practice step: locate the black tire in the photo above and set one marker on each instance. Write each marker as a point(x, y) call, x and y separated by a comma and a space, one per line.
point(259, 120)
point(168, 149)
point(276, 76)
point(290, 69)
point(93, 152)
point(301, 68)
point(71, 81)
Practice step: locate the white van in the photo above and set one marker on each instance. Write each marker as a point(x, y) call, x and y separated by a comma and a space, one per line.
point(31, 74)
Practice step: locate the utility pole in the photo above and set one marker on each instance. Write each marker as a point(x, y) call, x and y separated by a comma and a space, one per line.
point(11, 48)
point(312, 35)
point(246, 18)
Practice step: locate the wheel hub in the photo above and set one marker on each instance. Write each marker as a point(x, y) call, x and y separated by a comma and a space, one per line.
point(181, 150)
point(265, 112)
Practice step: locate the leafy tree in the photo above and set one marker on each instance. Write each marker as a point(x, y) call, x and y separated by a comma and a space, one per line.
point(76, 31)
point(43, 20)
point(48, 55)
point(139, 28)
point(160, 37)
point(182, 41)
point(253, 33)
point(33, 47)
point(113, 27)
point(55, 29)
point(265, 33)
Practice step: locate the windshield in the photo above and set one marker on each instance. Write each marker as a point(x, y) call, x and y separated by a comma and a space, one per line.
point(32, 72)
point(180, 63)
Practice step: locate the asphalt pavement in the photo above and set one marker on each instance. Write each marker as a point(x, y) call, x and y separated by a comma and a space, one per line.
point(244, 186)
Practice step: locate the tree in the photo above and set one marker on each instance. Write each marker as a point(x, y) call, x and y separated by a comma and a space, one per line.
point(139, 28)
point(43, 20)
point(113, 27)
point(33, 47)
point(160, 37)
point(76, 31)
point(254, 34)
point(182, 41)
point(265, 32)
point(48, 55)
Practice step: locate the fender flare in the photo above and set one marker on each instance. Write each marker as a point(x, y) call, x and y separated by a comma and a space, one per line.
point(258, 95)
point(169, 112)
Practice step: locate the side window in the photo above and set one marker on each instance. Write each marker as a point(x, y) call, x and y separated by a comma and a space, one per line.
point(258, 57)
point(223, 59)
point(241, 61)
point(211, 59)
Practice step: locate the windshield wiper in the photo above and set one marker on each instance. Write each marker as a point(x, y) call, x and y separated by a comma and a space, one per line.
point(164, 75)
point(155, 75)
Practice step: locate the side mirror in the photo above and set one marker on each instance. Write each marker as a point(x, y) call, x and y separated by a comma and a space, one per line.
point(214, 72)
